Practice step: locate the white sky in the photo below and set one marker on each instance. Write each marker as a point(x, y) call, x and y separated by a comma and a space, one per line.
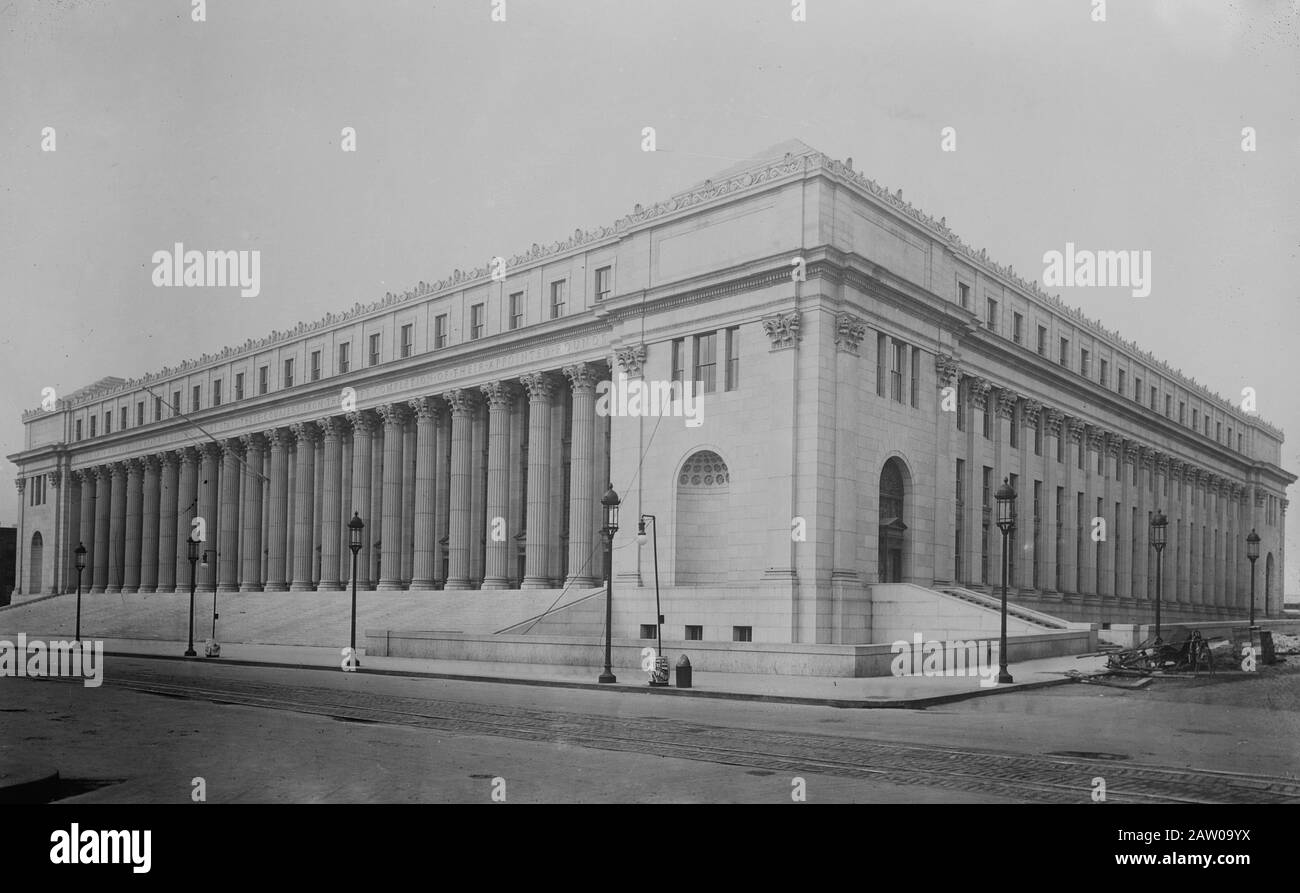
point(478, 138)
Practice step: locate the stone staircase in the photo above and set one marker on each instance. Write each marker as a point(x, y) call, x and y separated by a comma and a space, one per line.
point(994, 603)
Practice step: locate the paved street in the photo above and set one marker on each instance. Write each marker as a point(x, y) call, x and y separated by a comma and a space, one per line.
point(269, 734)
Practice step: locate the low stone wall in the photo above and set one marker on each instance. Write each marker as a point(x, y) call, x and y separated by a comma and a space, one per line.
point(1130, 635)
point(717, 657)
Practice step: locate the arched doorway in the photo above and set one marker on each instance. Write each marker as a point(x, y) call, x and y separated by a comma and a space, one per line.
point(1268, 581)
point(893, 489)
point(34, 569)
point(703, 509)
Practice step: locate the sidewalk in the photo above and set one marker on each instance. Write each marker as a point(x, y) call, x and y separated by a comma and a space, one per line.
point(878, 692)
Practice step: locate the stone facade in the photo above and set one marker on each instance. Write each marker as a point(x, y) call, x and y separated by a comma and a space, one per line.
point(868, 380)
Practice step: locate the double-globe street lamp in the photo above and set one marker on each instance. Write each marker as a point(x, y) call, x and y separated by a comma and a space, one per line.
point(81, 566)
point(610, 502)
point(660, 674)
point(193, 554)
point(1158, 524)
point(1006, 497)
point(355, 526)
point(1252, 552)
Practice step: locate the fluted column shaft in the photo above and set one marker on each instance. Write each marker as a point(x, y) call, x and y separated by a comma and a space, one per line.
point(133, 533)
point(362, 432)
point(87, 518)
point(277, 513)
point(304, 500)
point(581, 457)
point(540, 387)
point(186, 508)
point(442, 492)
point(477, 494)
point(425, 410)
point(331, 503)
point(209, 510)
point(376, 501)
point(500, 396)
point(462, 405)
point(103, 503)
point(149, 533)
point(390, 561)
point(408, 500)
point(117, 528)
point(228, 518)
point(250, 516)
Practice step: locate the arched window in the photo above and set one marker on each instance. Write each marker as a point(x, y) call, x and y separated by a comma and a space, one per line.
point(703, 512)
point(34, 568)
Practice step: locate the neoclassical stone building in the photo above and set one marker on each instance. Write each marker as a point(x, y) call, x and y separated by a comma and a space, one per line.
point(867, 381)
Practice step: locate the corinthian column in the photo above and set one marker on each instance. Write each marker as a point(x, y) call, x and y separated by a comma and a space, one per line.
point(87, 533)
point(581, 456)
point(117, 528)
point(186, 505)
point(228, 518)
point(540, 388)
point(209, 494)
point(390, 554)
point(277, 513)
point(363, 424)
point(331, 503)
point(134, 525)
point(500, 396)
point(304, 502)
point(462, 403)
point(250, 516)
point(426, 443)
point(149, 535)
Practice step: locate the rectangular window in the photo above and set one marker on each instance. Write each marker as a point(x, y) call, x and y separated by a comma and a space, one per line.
point(78, 429)
point(1207, 426)
point(896, 372)
point(1119, 386)
point(516, 310)
point(1239, 442)
point(694, 633)
point(984, 537)
point(1104, 376)
point(963, 294)
point(408, 336)
point(216, 393)
point(1060, 444)
point(733, 358)
point(706, 362)
point(1014, 481)
point(1065, 352)
point(604, 282)
point(239, 386)
point(991, 317)
point(440, 331)
point(194, 398)
point(557, 299)
point(93, 420)
point(916, 375)
point(1137, 390)
point(1038, 434)
point(882, 346)
point(374, 349)
point(1218, 431)
point(1182, 412)
point(1229, 440)
point(1015, 431)
point(476, 322)
point(1195, 414)
point(287, 381)
point(1169, 404)
point(679, 359)
point(315, 365)
point(1038, 523)
point(649, 631)
point(957, 574)
point(961, 406)
point(122, 417)
point(345, 357)
point(1042, 341)
point(157, 409)
point(986, 493)
point(176, 403)
point(1101, 460)
point(139, 412)
point(1017, 327)
point(263, 379)
point(1083, 450)
point(1084, 368)
point(742, 634)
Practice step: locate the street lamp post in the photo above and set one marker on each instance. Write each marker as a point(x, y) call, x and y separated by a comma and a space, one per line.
point(81, 566)
point(1252, 552)
point(212, 649)
point(193, 545)
point(1158, 525)
point(610, 502)
point(1006, 497)
point(659, 617)
point(355, 526)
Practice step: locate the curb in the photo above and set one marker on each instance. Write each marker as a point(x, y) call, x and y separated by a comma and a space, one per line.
point(29, 784)
point(843, 703)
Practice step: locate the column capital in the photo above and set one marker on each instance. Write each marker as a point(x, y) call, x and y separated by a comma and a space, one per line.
point(425, 408)
point(1130, 453)
point(783, 329)
point(103, 472)
point(20, 484)
point(583, 376)
point(1054, 419)
point(631, 359)
point(393, 414)
point(253, 441)
point(947, 369)
point(232, 447)
point(1114, 445)
point(118, 468)
point(540, 385)
point(500, 394)
point(849, 332)
point(1007, 403)
point(363, 422)
point(277, 438)
point(1259, 498)
point(979, 389)
point(463, 402)
point(1030, 411)
point(331, 427)
point(209, 450)
point(82, 475)
point(305, 433)
point(56, 478)
point(1096, 439)
point(1076, 428)
point(152, 462)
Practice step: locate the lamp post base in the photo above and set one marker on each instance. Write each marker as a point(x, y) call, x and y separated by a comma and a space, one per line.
point(1004, 678)
point(607, 678)
point(190, 652)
